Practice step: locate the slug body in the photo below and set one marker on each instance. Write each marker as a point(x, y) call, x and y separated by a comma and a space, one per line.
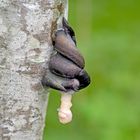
point(66, 67)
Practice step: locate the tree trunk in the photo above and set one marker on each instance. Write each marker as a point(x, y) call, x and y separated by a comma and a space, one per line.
point(26, 28)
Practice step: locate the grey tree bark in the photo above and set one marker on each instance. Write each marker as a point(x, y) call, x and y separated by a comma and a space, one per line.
point(26, 28)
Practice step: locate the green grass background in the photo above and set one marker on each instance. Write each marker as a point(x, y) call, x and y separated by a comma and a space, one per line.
point(108, 35)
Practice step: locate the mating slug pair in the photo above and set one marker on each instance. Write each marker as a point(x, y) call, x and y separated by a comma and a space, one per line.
point(66, 70)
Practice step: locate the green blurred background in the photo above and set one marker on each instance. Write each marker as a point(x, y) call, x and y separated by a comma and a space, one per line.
point(108, 35)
